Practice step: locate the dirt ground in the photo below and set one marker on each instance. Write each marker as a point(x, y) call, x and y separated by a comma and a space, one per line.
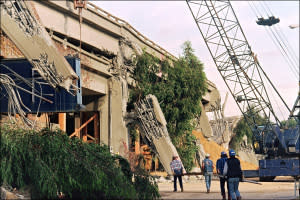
point(279, 189)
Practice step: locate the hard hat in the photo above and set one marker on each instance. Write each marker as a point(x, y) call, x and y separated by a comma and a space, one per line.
point(223, 153)
point(207, 155)
point(231, 152)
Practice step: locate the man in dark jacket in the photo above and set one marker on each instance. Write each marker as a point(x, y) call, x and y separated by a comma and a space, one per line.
point(220, 168)
point(233, 171)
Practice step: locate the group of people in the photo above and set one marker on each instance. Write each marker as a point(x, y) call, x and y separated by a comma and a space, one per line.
point(228, 169)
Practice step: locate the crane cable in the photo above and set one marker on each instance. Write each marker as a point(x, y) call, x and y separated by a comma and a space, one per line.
point(285, 52)
point(278, 44)
point(257, 13)
point(282, 37)
point(287, 49)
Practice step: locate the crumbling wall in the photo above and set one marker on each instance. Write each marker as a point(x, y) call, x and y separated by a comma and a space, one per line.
point(8, 48)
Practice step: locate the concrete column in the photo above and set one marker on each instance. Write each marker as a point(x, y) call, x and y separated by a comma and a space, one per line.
point(119, 133)
point(77, 121)
point(96, 128)
point(110, 85)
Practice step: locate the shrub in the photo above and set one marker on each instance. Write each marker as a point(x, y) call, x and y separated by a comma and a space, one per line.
point(50, 162)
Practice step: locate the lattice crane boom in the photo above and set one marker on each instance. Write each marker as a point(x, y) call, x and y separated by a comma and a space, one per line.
point(233, 57)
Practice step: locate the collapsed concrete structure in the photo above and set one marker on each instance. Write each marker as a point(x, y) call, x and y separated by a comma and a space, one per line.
point(108, 47)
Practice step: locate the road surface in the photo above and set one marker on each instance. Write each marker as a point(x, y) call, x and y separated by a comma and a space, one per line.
point(196, 190)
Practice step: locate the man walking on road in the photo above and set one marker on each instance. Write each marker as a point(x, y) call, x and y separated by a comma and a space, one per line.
point(177, 170)
point(207, 167)
point(233, 171)
point(220, 168)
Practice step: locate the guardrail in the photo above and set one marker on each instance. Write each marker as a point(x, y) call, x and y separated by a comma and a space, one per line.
point(123, 23)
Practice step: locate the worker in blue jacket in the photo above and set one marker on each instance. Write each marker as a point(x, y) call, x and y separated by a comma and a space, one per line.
point(220, 168)
point(207, 167)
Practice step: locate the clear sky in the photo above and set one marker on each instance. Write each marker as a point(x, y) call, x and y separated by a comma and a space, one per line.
point(170, 24)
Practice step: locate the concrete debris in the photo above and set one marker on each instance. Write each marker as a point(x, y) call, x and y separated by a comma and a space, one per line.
point(202, 124)
point(47, 70)
point(23, 28)
point(7, 192)
point(18, 11)
point(223, 131)
point(125, 62)
point(156, 133)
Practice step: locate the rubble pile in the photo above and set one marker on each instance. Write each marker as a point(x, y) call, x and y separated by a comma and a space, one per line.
point(215, 150)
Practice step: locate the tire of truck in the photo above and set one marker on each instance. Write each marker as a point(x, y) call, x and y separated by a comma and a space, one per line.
point(267, 178)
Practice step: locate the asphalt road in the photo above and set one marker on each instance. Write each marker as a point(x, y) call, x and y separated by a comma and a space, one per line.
point(196, 190)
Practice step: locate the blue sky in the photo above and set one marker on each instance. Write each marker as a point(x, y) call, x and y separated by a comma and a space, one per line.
point(170, 24)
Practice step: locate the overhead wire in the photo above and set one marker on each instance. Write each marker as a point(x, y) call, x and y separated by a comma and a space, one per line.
point(282, 51)
point(268, 8)
point(277, 42)
point(281, 36)
point(285, 38)
point(282, 40)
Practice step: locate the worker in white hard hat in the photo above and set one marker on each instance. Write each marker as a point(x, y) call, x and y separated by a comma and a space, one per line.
point(207, 167)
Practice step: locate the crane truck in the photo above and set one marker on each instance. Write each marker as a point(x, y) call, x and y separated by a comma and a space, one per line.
point(246, 81)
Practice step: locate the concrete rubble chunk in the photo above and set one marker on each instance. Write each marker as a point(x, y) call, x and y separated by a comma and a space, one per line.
point(24, 29)
point(155, 131)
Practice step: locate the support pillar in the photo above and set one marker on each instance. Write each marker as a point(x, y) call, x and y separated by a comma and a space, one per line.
point(77, 121)
point(96, 128)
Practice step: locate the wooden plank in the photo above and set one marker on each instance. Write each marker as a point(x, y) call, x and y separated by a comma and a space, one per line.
point(62, 121)
point(84, 131)
point(91, 137)
point(82, 126)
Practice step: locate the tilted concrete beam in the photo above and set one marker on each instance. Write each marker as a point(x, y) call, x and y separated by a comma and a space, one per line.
point(22, 27)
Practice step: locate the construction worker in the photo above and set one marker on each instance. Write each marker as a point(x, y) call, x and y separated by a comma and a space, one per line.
point(177, 170)
point(233, 171)
point(207, 167)
point(220, 168)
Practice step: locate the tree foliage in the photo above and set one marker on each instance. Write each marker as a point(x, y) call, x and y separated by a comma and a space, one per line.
point(179, 88)
point(242, 128)
point(291, 123)
point(50, 162)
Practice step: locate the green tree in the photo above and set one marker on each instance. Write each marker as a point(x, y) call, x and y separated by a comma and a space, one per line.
point(179, 90)
point(51, 162)
point(291, 123)
point(242, 128)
